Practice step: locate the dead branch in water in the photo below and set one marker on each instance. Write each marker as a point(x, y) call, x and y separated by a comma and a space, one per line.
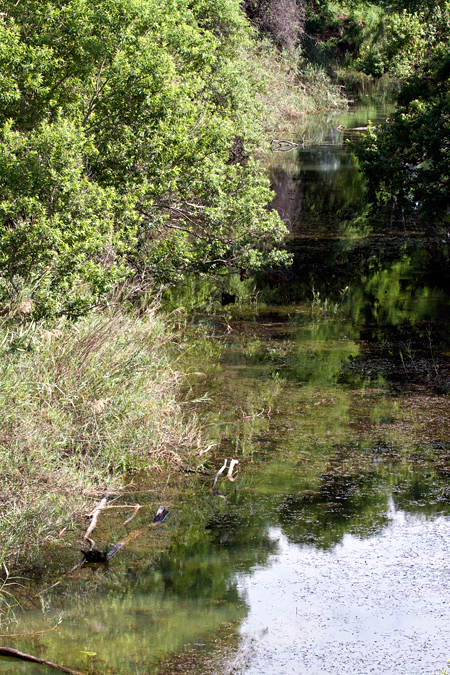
point(136, 509)
point(99, 556)
point(101, 506)
point(216, 478)
point(94, 517)
point(159, 517)
point(13, 653)
point(230, 476)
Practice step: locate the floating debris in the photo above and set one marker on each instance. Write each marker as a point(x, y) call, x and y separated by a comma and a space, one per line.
point(282, 146)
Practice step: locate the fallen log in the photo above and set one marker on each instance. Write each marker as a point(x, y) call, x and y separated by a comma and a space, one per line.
point(13, 653)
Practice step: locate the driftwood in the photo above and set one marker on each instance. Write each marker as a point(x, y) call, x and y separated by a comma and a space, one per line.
point(230, 476)
point(13, 653)
point(136, 509)
point(94, 555)
point(94, 517)
point(97, 556)
point(216, 478)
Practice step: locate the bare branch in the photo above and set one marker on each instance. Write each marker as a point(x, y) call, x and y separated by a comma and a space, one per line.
point(98, 89)
point(13, 653)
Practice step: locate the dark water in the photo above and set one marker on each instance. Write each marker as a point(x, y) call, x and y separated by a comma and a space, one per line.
point(331, 552)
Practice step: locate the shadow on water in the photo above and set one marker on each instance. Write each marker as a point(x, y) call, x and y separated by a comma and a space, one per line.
point(329, 553)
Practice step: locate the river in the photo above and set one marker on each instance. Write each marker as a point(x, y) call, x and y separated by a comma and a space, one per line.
point(330, 553)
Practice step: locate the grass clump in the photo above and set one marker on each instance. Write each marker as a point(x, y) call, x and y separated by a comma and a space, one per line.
point(81, 406)
point(292, 88)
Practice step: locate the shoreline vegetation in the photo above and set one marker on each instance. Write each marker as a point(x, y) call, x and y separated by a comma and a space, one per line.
point(131, 138)
point(90, 395)
point(84, 405)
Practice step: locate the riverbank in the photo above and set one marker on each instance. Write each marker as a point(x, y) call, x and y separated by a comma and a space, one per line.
point(292, 88)
point(82, 406)
point(85, 403)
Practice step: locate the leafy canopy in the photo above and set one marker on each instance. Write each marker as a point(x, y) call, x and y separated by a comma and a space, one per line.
point(118, 119)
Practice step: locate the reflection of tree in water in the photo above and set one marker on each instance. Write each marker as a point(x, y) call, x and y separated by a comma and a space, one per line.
point(331, 190)
point(354, 494)
point(202, 561)
point(411, 357)
point(420, 490)
point(395, 307)
point(240, 534)
point(325, 355)
point(323, 200)
point(349, 499)
point(288, 198)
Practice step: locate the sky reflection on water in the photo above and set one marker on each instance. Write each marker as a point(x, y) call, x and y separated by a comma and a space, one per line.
point(370, 605)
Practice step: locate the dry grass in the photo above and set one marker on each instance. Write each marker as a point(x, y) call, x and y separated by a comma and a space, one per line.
point(292, 87)
point(82, 405)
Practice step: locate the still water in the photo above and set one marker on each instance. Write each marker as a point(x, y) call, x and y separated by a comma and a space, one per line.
point(330, 553)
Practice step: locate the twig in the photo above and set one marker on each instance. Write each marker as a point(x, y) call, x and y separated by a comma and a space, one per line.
point(35, 632)
point(7, 651)
point(203, 452)
point(136, 509)
point(124, 506)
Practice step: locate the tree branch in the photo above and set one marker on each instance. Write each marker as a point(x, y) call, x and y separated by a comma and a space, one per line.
point(95, 94)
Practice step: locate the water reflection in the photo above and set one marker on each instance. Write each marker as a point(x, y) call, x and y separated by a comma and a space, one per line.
point(374, 605)
point(330, 549)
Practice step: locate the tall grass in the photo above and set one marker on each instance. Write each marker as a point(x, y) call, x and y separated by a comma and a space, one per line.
point(292, 88)
point(81, 406)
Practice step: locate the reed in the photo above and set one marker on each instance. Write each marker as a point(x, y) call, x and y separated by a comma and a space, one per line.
point(81, 406)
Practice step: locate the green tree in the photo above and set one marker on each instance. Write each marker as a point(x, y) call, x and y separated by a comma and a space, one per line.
point(118, 122)
point(407, 160)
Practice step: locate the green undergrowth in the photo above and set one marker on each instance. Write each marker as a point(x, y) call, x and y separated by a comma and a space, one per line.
point(292, 88)
point(82, 406)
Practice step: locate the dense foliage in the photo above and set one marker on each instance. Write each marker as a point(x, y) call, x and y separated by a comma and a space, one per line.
point(407, 160)
point(375, 37)
point(125, 148)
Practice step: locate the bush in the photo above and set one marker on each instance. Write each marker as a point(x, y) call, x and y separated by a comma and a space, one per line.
point(117, 125)
point(282, 20)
